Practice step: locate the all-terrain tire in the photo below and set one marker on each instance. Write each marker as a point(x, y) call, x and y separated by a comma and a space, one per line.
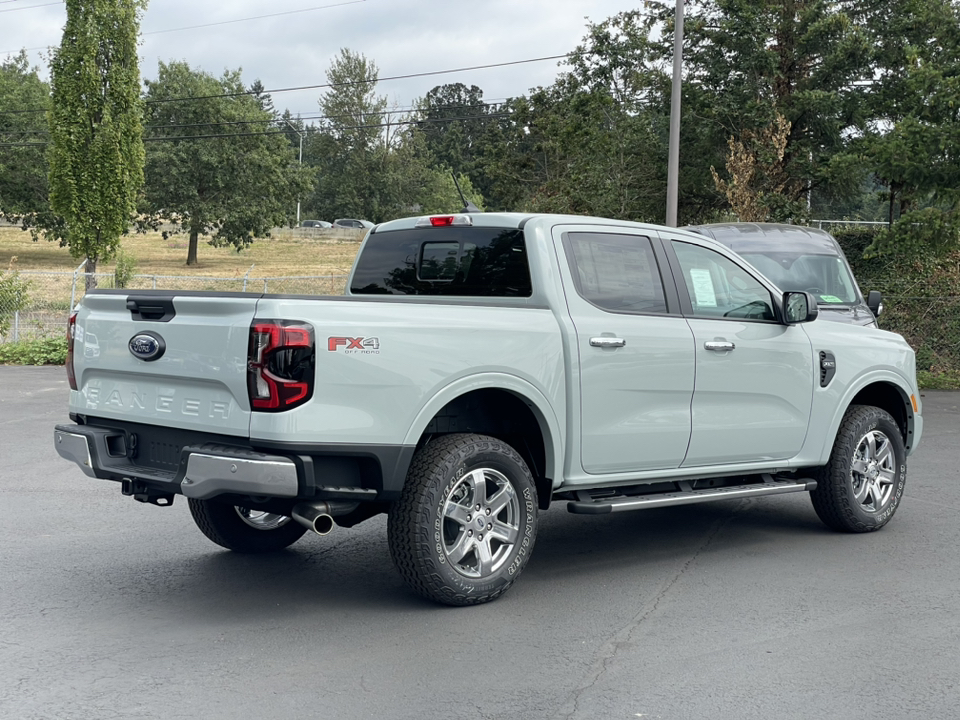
point(466, 521)
point(238, 529)
point(860, 488)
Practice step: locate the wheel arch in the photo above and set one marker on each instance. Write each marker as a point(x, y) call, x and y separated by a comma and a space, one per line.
point(502, 406)
point(886, 392)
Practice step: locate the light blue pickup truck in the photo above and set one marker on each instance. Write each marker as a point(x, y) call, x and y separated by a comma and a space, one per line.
point(479, 368)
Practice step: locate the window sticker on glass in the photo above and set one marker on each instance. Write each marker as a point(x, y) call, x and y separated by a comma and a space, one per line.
point(830, 299)
point(703, 287)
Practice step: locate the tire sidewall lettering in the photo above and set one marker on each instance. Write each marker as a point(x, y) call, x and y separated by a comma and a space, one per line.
point(520, 552)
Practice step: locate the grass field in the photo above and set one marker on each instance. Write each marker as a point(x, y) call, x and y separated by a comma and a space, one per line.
point(298, 252)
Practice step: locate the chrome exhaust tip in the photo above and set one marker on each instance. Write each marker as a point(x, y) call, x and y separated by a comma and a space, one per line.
point(318, 515)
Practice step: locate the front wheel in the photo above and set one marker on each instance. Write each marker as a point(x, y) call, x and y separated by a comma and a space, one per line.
point(860, 489)
point(466, 520)
point(242, 529)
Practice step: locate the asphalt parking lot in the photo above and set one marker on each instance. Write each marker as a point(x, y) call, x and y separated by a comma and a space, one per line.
point(731, 610)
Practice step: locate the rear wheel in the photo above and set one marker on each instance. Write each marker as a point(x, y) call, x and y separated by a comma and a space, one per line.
point(243, 529)
point(466, 521)
point(860, 489)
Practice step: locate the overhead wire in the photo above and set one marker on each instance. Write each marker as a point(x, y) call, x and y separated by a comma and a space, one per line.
point(318, 86)
point(257, 17)
point(221, 123)
point(193, 27)
point(285, 131)
point(30, 7)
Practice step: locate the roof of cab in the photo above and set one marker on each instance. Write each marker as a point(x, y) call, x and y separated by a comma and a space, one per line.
point(514, 220)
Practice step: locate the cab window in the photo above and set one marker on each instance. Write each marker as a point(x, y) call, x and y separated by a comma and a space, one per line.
point(719, 288)
point(617, 273)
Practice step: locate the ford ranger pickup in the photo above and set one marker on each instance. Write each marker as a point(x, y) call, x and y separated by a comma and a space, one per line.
point(480, 368)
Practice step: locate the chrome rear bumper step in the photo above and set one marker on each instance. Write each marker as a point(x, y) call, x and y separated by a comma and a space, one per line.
point(686, 495)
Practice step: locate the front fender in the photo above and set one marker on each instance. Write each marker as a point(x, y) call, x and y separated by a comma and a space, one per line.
point(875, 377)
point(538, 403)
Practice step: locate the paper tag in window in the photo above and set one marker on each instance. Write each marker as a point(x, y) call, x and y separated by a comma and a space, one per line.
point(703, 287)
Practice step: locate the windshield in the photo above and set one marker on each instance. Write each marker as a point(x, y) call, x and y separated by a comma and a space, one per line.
point(825, 276)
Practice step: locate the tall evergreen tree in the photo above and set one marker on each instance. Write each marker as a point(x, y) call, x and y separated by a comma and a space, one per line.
point(96, 151)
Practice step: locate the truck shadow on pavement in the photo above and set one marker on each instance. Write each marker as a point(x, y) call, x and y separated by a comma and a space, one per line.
point(351, 570)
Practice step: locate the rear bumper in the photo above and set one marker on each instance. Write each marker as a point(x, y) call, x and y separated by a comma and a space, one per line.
point(205, 470)
point(156, 461)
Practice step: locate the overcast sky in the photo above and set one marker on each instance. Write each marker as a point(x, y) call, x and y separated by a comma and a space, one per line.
point(295, 49)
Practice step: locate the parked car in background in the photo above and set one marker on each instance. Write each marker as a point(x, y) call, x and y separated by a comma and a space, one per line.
point(804, 259)
point(316, 224)
point(352, 223)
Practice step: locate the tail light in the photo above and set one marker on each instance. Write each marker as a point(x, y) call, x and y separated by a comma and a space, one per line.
point(71, 332)
point(280, 365)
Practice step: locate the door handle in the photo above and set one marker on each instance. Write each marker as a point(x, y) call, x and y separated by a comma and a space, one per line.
point(605, 342)
point(719, 346)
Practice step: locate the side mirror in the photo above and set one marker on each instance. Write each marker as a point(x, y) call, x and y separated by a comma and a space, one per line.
point(875, 302)
point(799, 307)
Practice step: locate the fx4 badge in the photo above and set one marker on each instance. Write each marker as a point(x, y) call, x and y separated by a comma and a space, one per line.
point(365, 346)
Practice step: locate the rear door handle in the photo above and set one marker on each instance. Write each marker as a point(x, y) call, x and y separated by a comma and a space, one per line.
point(719, 346)
point(607, 342)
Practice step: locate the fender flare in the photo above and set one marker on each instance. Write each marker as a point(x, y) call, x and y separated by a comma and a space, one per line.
point(538, 403)
point(870, 378)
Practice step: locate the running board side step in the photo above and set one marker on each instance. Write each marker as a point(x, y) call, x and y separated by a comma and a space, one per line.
point(686, 495)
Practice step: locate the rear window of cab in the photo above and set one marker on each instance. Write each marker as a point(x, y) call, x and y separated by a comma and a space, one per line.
point(452, 261)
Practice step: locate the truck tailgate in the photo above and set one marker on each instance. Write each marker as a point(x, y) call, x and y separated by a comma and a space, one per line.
point(199, 381)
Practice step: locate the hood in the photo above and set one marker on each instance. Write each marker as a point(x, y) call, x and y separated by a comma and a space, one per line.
point(852, 314)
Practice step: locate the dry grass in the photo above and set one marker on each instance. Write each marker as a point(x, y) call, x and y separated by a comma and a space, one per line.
point(299, 252)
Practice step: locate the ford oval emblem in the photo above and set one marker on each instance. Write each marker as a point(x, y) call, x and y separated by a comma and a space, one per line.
point(147, 346)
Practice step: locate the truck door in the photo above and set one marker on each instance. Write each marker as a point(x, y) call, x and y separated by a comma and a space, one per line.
point(755, 375)
point(636, 352)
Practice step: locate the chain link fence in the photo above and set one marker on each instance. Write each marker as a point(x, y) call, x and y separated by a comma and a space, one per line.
point(35, 305)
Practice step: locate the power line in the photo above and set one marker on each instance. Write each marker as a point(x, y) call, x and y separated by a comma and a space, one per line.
point(257, 17)
point(30, 7)
point(226, 123)
point(194, 27)
point(169, 138)
point(327, 85)
point(364, 82)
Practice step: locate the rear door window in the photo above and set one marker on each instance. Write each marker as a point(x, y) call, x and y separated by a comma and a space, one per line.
point(617, 273)
point(453, 261)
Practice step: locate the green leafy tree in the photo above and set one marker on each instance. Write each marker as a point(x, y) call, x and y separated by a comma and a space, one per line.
point(414, 183)
point(24, 182)
point(352, 143)
point(752, 60)
point(914, 109)
point(453, 119)
point(218, 164)
point(594, 142)
point(96, 151)
point(13, 295)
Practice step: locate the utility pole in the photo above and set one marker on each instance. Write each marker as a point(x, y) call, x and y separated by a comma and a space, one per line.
point(301, 162)
point(673, 154)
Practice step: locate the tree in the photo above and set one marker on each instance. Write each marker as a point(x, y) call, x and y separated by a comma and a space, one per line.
point(217, 164)
point(454, 120)
point(749, 61)
point(758, 177)
point(24, 182)
point(914, 115)
point(354, 140)
point(96, 136)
